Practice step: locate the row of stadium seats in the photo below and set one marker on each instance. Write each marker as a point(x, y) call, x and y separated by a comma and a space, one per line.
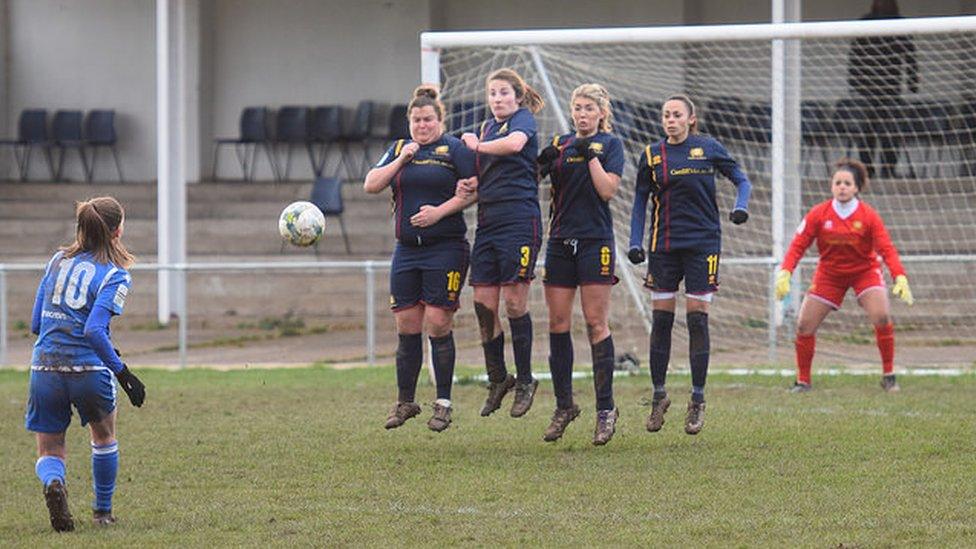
point(851, 124)
point(319, 130)
point(69, 129)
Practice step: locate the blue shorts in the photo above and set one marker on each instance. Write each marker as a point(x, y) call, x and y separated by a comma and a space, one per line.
point(572, 262)
point(506, 244)
point(432, 275)
point(698, 268)
point(52, 393)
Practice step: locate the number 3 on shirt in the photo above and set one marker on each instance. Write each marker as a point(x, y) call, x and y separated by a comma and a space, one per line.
point(526, 256)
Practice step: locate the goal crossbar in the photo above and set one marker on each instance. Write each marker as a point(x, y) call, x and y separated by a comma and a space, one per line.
point(703, 33)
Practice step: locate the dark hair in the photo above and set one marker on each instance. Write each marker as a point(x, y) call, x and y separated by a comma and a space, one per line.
point(98, 220)
point(426, 96)
point(855, 168)
point(691, 109)
point(526, 96)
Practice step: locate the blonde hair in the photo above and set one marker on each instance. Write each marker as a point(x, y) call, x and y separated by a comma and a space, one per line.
point(98, 219)
point(693, 128)
point(526, 96)
point(427, 96)
point(599, 95)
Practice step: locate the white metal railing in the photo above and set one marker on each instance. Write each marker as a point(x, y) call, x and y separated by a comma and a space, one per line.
point(369, 269)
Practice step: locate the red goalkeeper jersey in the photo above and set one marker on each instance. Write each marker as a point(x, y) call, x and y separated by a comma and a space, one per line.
point(846, 245)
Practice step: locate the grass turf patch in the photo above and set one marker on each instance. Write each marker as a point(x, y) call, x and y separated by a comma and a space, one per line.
point(299, 456)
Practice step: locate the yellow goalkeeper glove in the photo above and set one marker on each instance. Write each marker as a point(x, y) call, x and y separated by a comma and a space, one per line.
point(782, 283)
point(901, 289)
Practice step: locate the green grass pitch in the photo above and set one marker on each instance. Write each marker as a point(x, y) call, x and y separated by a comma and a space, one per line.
point(299, 457)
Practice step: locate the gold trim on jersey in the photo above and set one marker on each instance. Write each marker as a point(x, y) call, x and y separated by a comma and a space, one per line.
point(657, 211)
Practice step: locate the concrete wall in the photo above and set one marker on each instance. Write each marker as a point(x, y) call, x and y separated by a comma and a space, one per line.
point(101, 53)
point(87, 55)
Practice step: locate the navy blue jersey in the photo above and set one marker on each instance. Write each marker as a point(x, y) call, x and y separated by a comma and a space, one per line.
point(577, 211)
point(513, 176)
point(68, 294)
point(429, 178)
point(680, 179)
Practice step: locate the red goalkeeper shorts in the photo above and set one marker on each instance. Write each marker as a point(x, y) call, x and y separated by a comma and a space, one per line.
point(830, 288)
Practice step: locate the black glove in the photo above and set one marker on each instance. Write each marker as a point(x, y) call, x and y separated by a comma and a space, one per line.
point(738, 216)
point(636, 256)
point(546, 158)
point(132, 386)
point(582, 147)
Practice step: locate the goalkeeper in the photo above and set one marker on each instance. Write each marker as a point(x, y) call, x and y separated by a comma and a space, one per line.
point(850, 235)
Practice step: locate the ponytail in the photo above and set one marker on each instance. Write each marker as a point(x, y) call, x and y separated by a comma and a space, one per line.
point(98, 220)
point(524, 94)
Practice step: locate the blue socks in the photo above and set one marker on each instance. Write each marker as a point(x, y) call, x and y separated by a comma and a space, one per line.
point(698, 347)
point(561, 367)
point(105, 467)
point(409, 359)
point(660, 355)
point(442, 355)
point(603, 373)
point(522, 346)
point(495, 358)
point(49, 468)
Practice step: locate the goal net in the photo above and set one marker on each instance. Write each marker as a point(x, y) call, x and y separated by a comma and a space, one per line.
point(920, 145)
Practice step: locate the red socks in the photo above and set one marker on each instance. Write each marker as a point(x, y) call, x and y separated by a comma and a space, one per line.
point(885, 336)
point(805, 345)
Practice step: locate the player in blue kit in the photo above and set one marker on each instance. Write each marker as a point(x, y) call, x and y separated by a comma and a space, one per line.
point(84, 286)
point(430, 261)
point(585, 169)
point(508, 237)
point(678, 174)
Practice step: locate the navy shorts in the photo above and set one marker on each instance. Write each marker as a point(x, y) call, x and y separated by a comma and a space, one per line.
point(572, 262)
point(432, 275)
point(53, 393)
point(698, 268)
point(506, 246)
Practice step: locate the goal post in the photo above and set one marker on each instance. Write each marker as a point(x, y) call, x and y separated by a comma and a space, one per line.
point(786, 114)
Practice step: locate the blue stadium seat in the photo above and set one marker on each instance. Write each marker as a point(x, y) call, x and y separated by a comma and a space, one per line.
point(399, 127)
point(292, 128)
point(100, 132)
point(327, 195)
point(31, 133)
point(326, 127)
point(817, 131)
point(356, 134)
point(66, 134)
point(726, 116)
point(253, 135)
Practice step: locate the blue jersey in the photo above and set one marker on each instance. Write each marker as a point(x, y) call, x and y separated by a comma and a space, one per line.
point(74, 301)
point(429, 178)
point(680, 179)
point(513, 176)
point(577, 211)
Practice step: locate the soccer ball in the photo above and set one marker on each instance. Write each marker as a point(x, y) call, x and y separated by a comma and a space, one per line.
point(301, 223)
